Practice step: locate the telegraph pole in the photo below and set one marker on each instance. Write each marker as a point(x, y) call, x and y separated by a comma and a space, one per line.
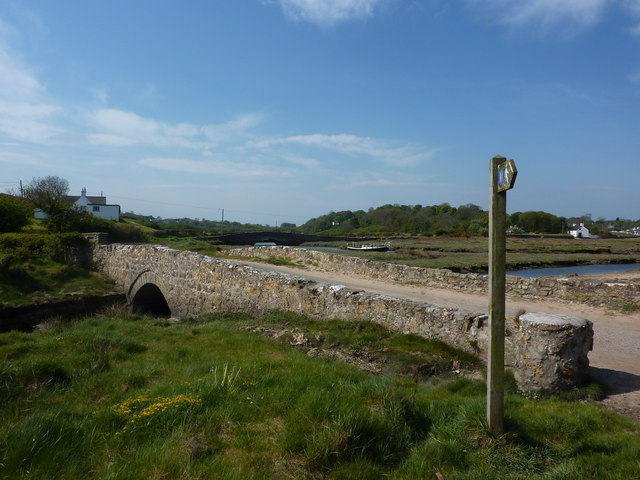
point(502, 176)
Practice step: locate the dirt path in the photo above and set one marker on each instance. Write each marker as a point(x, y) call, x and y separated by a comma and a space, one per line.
point(615, 359)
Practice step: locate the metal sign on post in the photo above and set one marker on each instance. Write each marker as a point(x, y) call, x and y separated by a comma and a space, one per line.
point(502, 176)
point(507, 173)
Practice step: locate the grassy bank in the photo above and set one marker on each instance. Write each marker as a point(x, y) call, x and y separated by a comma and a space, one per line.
point(38, 268)
point(232, 397)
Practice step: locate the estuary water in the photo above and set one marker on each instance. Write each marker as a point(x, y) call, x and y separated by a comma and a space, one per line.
point(579, 269)
point(531, 272)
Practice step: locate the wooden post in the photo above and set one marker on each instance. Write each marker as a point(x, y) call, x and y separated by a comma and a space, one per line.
point(497, 258)
point(502, 175)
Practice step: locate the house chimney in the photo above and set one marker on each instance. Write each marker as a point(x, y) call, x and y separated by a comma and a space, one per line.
point(84, 191)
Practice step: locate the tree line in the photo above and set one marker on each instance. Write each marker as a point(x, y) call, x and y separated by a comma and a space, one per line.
point(402, 219)
point(49, 195)
point(442, 219)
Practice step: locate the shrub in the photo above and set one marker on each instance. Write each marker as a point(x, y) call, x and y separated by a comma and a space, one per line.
point(63, 247)
point(80, 221)
point(15, 213)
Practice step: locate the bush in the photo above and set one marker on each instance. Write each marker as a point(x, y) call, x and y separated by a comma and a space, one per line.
point(122, 232)
point(15, 213)
point(62, 247)
point(74, 220)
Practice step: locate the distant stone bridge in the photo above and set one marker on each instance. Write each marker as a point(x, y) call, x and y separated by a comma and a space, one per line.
point(279, 238)
point(543, 352)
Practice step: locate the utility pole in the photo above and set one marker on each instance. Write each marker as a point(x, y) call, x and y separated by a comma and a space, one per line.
point(502, 176)
point(222, 222)
point(21, 190)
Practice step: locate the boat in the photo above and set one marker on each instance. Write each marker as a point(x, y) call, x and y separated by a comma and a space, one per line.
point(368, 247)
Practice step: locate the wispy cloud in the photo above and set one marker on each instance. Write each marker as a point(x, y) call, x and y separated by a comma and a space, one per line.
point(546, 14)
point(115, 127)
point(633, 7)
point(101, 94)
point(102, 163)
point(25, 109)
point(17, 158)
point(213, 167)
point(327, 13)
point(391, 153)
point(302, 161)
point(375, 180)
point(565, 16)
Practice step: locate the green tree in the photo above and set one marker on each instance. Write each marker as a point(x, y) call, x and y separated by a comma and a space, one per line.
point(15, 213)
point(48, 194)
point(540, 222)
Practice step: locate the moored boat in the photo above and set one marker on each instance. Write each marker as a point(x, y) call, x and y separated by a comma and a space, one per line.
point(368, 247)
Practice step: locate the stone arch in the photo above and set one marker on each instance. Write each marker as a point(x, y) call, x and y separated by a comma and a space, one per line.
point(268, 240)
point(146, 294)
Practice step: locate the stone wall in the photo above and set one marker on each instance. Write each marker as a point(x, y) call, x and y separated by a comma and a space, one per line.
point(542, 354)
point(615, 295)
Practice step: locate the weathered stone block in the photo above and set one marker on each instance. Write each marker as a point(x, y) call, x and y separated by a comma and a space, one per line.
point(551, 351)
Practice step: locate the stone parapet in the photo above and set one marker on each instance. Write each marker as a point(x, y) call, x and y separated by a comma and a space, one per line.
point(571, 289)
point(543, 353)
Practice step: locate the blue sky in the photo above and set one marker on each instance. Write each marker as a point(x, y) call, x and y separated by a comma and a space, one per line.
point(280, 111)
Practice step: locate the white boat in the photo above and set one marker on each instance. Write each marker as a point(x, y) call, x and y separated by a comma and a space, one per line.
point(368, 247)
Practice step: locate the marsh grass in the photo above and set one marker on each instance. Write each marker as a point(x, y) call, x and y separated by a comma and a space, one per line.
point(130, 397)
point(470, 254)
point(629, 308)
point(467, 255)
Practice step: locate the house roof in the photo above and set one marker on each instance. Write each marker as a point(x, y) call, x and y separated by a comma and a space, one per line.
point(93, 200)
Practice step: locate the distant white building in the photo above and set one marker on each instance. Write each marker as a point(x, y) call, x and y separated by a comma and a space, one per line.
point(634, 231)
point(580, 231)
point(96, 206)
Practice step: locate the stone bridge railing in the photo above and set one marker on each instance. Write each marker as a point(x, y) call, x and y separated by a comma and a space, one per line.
point(543, 351)
point(571, 289)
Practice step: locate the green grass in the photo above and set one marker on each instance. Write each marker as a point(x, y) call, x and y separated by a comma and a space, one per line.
point(281, 261)
point(130, 397)
point(188, 243)
point(38, 281)
point(139, 225)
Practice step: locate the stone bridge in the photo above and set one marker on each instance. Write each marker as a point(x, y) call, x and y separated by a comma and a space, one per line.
point(279, 238)
point(543, 351)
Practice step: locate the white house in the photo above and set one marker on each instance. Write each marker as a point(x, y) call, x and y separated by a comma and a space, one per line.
point(96, 206)
point(580, 231)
